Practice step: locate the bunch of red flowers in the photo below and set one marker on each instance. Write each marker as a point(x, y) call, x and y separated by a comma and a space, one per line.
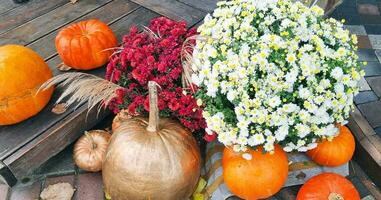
point(154, 55)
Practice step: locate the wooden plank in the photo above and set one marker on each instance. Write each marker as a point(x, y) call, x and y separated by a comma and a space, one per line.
point(26, 12)
point(362, 122)
point(368, 158)
point(7, 6)
point(115, 10)
point(173, 9)
point(355, 129)
point(207, 6)
point(50, 21)
point(358, 172)
point(376, 141)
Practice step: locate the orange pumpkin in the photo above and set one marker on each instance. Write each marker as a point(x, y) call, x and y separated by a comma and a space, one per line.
point(85, 45)
point(336, 152)
point(328, 186)
point(253, 174)
point(22, 71)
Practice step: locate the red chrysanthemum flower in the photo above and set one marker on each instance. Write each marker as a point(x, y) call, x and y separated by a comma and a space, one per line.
point(154, 57)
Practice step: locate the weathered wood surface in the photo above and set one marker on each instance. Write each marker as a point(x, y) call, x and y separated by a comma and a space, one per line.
point(25, 146)
point(27, 12)
point(7, 6)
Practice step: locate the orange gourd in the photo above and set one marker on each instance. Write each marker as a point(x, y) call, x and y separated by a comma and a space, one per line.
point(85, 45)
point(22, 71)
point(328, 186)
point(336, 152)
point(258, 175)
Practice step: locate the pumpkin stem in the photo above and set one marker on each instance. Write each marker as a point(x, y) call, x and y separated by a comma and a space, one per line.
point(89, 137)
point(153, 122)
point(335, 196)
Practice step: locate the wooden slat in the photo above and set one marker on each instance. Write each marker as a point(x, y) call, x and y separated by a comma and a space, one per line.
point(362, 122)
point(368, 158)
point(115, 10)
point(173, 9)
point(7, 6)
point(26, 12)
point(49, 22)
point(207, 6)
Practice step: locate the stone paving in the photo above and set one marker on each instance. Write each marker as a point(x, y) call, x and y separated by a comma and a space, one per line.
point(362, 18)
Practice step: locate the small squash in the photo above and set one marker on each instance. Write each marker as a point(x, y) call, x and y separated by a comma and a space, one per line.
point(22, 72)
point(85, 45)
point(151, 159)
point(90, 150)
point(335, 152)
point(253, 174)
point(328, 186)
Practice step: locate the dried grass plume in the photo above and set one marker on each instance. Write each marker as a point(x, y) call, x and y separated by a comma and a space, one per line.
point(81, 88)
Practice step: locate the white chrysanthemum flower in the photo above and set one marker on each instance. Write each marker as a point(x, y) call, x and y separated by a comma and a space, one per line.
point(274, 71)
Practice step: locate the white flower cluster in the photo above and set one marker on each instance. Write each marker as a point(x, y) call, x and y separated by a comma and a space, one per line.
point(274, 71)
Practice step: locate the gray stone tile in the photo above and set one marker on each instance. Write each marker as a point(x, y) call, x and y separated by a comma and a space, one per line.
point(59, 179)
point(3, 191)
point(356, 29)
point(372, 111)
point(89, 186)
point(367, 55)
point(365, 97)
point(372, 69)
point(375, 84)
point(375, 41)
point(363, 84)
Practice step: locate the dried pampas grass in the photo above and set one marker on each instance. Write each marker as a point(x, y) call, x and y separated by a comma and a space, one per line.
point(81, 88)
point(187, 61)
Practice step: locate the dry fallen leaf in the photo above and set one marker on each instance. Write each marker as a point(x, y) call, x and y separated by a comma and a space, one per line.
point(59, 191)
point(63, 67)
point(301, 175)
point(59, 108)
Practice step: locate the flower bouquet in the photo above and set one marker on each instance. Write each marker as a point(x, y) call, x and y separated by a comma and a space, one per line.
point(273, 72)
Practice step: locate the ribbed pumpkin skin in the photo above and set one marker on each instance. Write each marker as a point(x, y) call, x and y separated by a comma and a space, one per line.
point(336, 152)
point(261, 177)
point(82, 45)
point(22, 71)
point(321, 186)
point(141, 165)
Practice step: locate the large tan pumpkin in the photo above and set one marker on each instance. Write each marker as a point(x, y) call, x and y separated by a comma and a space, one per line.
point(148, 159)
point(22, 71)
